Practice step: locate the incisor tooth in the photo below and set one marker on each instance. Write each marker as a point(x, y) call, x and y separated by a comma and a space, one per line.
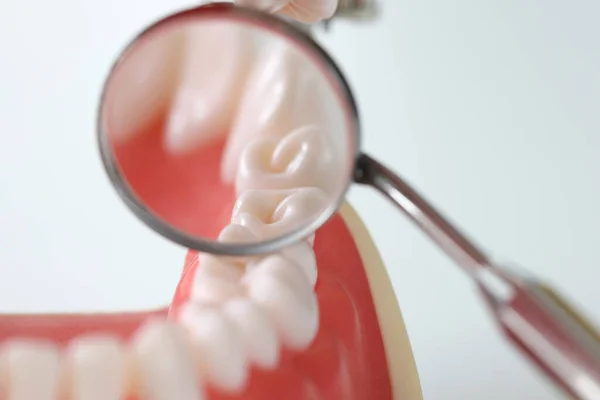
point(272, 213)
point(259, 338)
point(277, 285)
point(303, 158)
point(98, 368)
point(33, 370)
point(143, 83)
point(218, 347)
point(215, 59)
point(164, 363)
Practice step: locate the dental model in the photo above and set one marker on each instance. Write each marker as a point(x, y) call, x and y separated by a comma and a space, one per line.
point(317, 320)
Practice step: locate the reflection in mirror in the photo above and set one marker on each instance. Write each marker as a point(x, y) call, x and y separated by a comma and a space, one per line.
point(219, 121)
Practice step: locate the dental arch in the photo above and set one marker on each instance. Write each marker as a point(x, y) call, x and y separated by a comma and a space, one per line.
point(241, 312)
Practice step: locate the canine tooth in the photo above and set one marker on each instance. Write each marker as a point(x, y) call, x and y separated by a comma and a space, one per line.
point(212, 76)
point(258, 335)
point(33, 370)
point(303, 158)
point(98, 368)
point(277, 285)
point(218, 347)
point(271, 213)
point(164, 363)
point(143, 84)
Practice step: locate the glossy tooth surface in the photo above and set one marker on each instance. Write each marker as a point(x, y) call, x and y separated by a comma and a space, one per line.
point(259, 337)
point(303, 158)
point(272, 213)
point(274, 103)
point(235, 233)
point(33, 370)
point(98, 369)
point(303, 256)
point(282, 289)
point(215, 59)
point(164, 363)
point(143, 85)
point(216, 280)
point(218, 347)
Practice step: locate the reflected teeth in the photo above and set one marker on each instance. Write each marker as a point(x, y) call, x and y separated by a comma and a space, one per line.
point(33, 370)
point(302, 158)
point(143, 86)
point(165, 364)
point(219, 351)
point(204, 99)
point(272, 213)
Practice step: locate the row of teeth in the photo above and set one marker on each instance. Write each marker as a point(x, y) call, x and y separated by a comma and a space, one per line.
point(265, 303)
point(241, 312)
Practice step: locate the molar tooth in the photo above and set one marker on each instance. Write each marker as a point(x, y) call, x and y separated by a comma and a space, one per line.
point(164, 363)
point(33, 370)
point(272, 213)
point(98, 368)
point(212, 76)
point(218, 347)
point(303, 158)
point(259, 338)
point(277, 285)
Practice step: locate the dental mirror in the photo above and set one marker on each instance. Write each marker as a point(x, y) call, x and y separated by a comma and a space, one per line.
point(228, 130)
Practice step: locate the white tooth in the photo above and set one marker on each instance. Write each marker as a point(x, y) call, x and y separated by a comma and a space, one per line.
point(143, 84)
point(273, 103)
point(98, 368)
point(309, 11)
point(216, 57)
point(216, 280)
point(302, 158)
point(286, 89)
point(218, 347)
point(277, 285)
point(235, 233)
point(304, 257)
point(258, 334)
point(272, 213)
point(33, 370)
point(164, 363)
point(209, 265)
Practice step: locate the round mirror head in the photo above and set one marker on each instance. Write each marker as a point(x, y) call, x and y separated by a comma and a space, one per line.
point(228, 131)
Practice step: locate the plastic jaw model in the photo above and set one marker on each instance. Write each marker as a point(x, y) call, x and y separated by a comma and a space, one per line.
point(317, 320)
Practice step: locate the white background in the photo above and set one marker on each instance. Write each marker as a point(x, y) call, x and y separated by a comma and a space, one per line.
point(490, 107)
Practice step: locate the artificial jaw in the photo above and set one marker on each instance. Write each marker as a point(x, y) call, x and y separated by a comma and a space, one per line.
point(303, 323)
